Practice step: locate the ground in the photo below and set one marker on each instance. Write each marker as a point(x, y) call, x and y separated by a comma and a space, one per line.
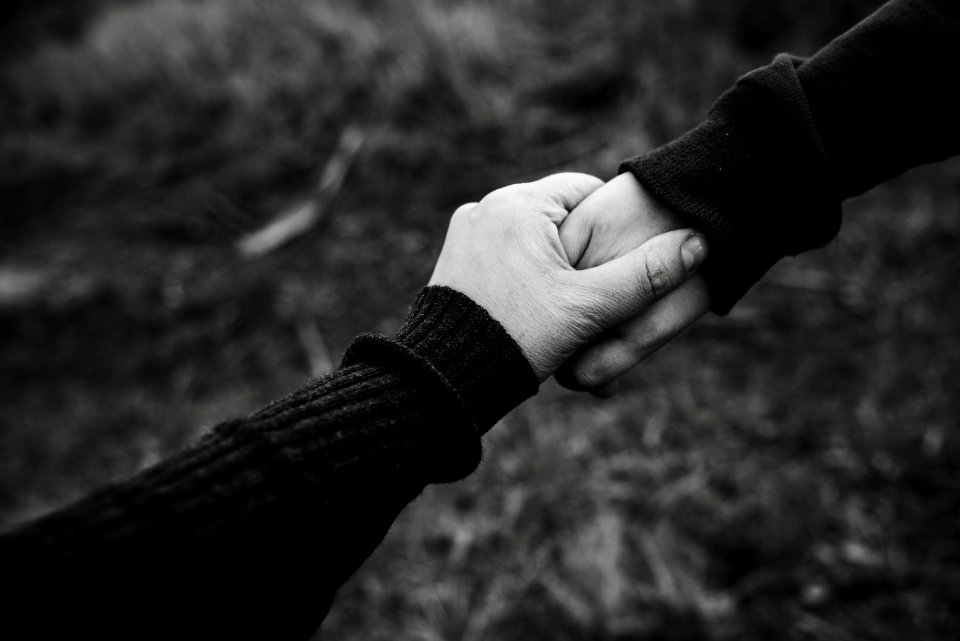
point(788, 471)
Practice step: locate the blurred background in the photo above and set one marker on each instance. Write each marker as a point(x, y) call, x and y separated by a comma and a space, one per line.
point(789, 471)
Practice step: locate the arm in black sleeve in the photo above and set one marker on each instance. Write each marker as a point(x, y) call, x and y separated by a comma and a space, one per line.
point(250, 533)
point(765, 174)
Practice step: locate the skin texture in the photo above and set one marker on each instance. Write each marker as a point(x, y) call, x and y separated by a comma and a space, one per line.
point(611, 222)
point(505, 253)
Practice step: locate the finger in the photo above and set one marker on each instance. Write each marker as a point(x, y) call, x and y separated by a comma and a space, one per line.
point(600, 363)
point(626, 286)
point(622, 199)
point(464, 209)
point(575, 234)
point(567, 190)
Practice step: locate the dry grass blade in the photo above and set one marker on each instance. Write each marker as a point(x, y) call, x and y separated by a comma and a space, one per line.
point(304, 215)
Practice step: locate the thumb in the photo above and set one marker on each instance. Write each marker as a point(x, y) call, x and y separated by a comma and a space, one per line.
point(635, 281)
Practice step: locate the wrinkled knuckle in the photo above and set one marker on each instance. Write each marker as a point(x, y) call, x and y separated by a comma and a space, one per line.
point(644, 291)
point(588, 374)
point(653, 280)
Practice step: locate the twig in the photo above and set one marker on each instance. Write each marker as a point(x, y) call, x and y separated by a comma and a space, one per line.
point(316, 348)
point(304, 215)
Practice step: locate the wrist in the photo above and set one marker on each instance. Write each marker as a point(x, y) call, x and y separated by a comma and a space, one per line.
point(728, 178)
point(472, 351)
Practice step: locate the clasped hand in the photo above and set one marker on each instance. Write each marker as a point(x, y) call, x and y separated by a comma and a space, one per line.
point(577, 272)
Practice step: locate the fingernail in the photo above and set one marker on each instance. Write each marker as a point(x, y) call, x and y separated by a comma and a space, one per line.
point(693, 251)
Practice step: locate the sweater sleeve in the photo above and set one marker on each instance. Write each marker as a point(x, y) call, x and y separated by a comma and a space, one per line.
point(765, 174)
point(249, 533)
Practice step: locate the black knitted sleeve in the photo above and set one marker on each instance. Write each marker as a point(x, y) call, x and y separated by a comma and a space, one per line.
point(764, 175)
point(249, 533)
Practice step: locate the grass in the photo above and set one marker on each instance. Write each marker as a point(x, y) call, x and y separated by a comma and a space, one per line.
point(789, 471)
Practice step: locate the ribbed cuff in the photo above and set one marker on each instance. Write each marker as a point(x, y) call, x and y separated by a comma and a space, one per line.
point(452, 446)
point(754, 177)
point(472, 351)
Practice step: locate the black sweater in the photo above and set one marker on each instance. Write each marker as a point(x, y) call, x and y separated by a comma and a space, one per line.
point(764, 175)
point(250, 533)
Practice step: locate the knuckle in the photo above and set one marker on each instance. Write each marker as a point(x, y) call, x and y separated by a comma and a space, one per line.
point(505, 195)
point(638, 346)
point(564, 376)
point(637, 341)
point(496, 196)
point(653, 279)
point(588, 374)
point(463, 211)
point(606, 361)
point(524, 190)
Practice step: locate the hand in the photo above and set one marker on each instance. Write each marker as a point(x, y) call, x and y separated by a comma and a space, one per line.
point(505, 253)
point(610, 223)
